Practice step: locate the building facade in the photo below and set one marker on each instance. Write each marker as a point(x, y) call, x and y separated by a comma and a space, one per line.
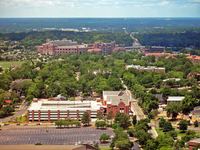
point(53, 109)
point(175, 99)
point(47, 110)
point(117, 101)
point(103, 48)
point(64, 46)
point(194, 59)
point(148, 68)
point(196, 114)
point(194, 144)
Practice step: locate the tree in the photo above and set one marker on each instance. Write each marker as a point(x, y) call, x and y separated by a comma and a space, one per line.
point(188, 104)
point(104, 137)
point(86, 119)
point(162, 122)
point(134, 120)
point(100, 124)
point(151, 145)
point(164, 141)
point(196, 124)
point(123, 144)
point(183, 125)
point(173, 134)
point(173, 109)
point(99, 115)
point(110, 115)
point(121, 140)
point(8, 110)
point(167, 127)
point(123, 120)
point(142, 136)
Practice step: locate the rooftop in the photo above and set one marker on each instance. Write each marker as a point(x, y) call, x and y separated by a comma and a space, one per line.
point(172, 79)
point(114, 97)
point(45, 105)
point(175, 98)
point(159, 54)
point(143, 67)
point(194, 57)
point(73, 46)
point(63, 42)
point(195, 141)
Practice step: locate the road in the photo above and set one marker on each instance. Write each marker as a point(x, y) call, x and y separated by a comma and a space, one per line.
point(136, 42)
point(22, 110)
point(137, 110)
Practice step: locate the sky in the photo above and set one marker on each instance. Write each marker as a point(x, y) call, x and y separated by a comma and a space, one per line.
point(99, 8)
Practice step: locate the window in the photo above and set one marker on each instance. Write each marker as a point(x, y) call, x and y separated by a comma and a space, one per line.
point(121, 110)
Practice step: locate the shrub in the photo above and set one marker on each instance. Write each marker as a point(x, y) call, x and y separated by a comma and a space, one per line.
point(100, 124)
point(183, 125)
point(196, 124)
point(104, 137)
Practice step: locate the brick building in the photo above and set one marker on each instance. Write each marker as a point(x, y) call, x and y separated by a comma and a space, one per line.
point(117, 101)
point(54, 109)
point(64, 46)
point(194, 144)
point(103, 48)
point(158, 55)
point(194, 58)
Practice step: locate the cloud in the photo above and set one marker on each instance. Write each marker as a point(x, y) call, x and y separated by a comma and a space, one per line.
point(50, 3)
point(99, 7)
point(36, 3)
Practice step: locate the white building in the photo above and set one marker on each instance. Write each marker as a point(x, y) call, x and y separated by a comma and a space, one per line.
point(46, 110)
point(148, 68)
point(175, 99)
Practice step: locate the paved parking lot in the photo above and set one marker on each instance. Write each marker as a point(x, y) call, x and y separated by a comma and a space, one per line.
point(50, 136)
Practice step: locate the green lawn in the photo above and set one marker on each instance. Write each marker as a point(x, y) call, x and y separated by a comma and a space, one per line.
point(7, 64)
point(179, 133)
point(159, 131)
point(105, 148)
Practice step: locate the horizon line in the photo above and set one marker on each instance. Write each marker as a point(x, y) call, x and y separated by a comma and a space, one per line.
point(95, 17)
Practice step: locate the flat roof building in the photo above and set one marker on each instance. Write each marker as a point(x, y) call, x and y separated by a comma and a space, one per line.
point(148, 68)
point(56, 108)
point(175, 99)
point(47, 110)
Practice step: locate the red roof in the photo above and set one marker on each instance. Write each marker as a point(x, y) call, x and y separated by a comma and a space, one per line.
point(193, 57)
point(8, 101)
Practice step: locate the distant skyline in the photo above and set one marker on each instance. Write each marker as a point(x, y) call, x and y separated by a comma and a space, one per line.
point(98, 8)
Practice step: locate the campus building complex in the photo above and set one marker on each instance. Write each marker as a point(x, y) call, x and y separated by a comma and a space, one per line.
point(64, 46)
point(104, 48)
point(51, 110)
